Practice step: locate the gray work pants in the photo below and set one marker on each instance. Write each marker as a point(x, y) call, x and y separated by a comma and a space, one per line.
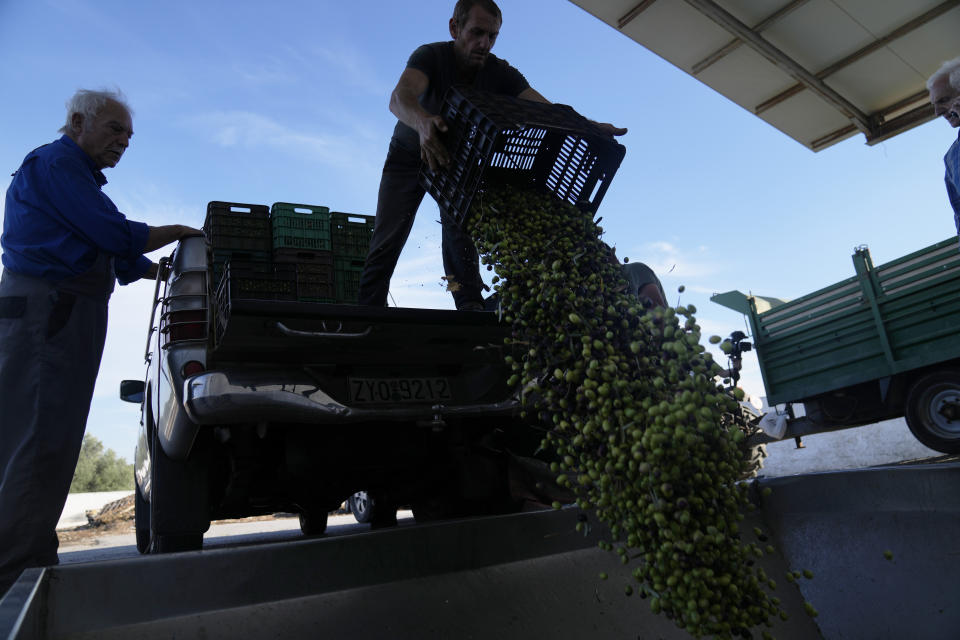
point(399, 198)
point(51, 342)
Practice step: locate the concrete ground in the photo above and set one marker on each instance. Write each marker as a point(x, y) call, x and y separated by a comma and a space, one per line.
point(885, 442)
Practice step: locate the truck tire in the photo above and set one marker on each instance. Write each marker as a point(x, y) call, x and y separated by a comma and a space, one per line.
point(361, 505)
point(369, 507)
point(313, 523)
point(933, 410)
point(141, 520)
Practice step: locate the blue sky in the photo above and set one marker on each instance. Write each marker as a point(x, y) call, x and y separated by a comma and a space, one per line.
point(249, 102)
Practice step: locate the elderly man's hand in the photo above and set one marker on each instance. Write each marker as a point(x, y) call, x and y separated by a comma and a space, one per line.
point(432, 149)
point(157, 271)
point(188, 232)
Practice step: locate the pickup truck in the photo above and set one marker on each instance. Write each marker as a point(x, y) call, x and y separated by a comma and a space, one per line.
point(254, 406)
point(881, 344)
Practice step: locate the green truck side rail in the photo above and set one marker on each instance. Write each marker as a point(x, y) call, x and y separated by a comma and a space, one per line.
point(886, 320)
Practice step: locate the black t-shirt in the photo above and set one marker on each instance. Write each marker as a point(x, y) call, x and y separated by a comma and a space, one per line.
point(439, 63)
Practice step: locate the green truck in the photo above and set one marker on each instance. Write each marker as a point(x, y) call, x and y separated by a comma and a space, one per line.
point(881, 344)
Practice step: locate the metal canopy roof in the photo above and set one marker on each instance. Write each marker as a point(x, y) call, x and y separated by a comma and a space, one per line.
point(818, 70)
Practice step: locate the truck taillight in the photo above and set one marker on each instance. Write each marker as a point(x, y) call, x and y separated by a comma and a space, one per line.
point(192, 368)
point(187, 325)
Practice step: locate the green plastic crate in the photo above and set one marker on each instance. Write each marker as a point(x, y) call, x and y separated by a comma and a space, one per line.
point(300, 226)
point(347, 273)
point(350, 234)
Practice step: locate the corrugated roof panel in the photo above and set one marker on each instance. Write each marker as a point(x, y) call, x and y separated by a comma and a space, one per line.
point(809, 67)
point(817, 34)
point(926, 48)
point(676, 31)
point(753, 12)
point(858, 80)
point(883, 16)
point(745, 77)
point(807, 117)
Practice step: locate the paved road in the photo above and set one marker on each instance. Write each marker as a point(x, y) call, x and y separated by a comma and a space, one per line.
point(219, 536)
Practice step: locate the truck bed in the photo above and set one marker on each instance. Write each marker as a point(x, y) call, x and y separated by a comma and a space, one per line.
point(885, 320)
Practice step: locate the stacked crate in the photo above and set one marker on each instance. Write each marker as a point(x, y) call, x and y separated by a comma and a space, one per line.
point(239, 237)
point(350, 237)
point(301, 239)
point(289, 251)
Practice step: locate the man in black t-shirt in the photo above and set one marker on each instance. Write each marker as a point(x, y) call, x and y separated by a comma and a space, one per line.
point(416, 100)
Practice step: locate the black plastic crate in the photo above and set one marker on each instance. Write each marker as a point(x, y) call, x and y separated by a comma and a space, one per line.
point(350, 234)
point(303, 256)
point(221, 257)
point(314, 273)
point(238, 215)
point(238, 227)
point(240, 243)
point(315, 283)
point(494, 139)
point(258, 281)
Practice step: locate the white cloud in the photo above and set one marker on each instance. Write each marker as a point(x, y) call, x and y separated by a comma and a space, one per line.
point(671, 261)
point(272, 72)
point(249, 130)
point(350, 64)
point(147, 202)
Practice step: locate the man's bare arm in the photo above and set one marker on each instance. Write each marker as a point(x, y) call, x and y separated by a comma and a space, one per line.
point(405, 104)
point(533, 95)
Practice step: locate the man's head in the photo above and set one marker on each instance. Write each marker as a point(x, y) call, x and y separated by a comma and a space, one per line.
point(474, 28)
point(944, 88)
point(100, 123)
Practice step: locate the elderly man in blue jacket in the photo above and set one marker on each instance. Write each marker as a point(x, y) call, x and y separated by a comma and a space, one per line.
point(64, 245)
point(944, 88)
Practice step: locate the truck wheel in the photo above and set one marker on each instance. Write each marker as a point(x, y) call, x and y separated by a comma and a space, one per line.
point(362, 506)
point(141, 520)
point(368, 507)
point(933, 410)
point(313, 523)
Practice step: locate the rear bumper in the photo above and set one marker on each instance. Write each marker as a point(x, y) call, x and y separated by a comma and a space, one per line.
point(218, 397)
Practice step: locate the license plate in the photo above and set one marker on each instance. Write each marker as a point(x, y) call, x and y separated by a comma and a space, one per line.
point(399, 389)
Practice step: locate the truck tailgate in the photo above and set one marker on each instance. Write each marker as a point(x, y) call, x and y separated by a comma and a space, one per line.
point(301, 332)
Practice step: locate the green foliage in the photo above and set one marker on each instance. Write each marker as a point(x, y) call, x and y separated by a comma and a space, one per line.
point(99, 470)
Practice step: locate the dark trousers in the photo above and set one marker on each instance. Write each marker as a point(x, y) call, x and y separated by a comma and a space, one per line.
point(51, 342)
point(399, 198)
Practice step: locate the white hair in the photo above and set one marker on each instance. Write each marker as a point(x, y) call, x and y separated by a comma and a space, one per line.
point(89, 103)
point(949, 70)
